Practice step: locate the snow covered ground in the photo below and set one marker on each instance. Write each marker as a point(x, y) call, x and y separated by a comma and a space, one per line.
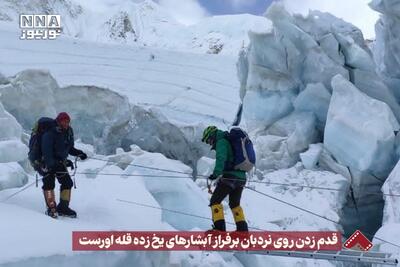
point(201, 85)
point(101, 184)
point(163, 97)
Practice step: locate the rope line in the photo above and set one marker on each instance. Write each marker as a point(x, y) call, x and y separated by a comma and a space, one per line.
point(320, 216)
point(292, 205)
point(143, 166)
point(197, 216)
point(183, 177)
point(178, 212)
point(252, 181)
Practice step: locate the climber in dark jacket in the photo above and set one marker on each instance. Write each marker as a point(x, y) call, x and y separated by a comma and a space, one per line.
point(57, 144)
point(231, 182)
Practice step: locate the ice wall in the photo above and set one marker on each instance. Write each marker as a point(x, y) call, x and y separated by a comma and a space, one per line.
point(313, 79)
point(360, 130)
point(391, 216)
point(387, 44)
point(12, 150)
point(387, 56)
point(289, 70)
point(100, 117)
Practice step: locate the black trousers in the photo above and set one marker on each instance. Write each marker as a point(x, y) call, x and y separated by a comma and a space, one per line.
point(61, 173)
point(228, 186)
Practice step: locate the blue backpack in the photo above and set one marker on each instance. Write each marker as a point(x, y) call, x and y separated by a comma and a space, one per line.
point(243, 149)
point(43, 125)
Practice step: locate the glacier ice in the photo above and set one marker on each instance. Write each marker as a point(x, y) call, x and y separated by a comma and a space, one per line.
point(271, 152)
point(360, 130)
point(387, 42)
point(100, 117)
point(322, 65)
point(11, 147)
point(97, 113)
point(323, 24)
point(392, 187)
point(12, 150)
point(328, 162)
point(205, 166)
point(362, 72)
point(310, 158)
point(12, 175)
point(10, 127)
point(360, 134)
point(292, 67)
point(391, 214)
point(355, 56)
point(263, 108)
point(242, 67)
point(268, 67)
point(150, 130)
point(280, 145)
point(314, 98)
point(387, 45)
point(29, 96)
point(289, 218)
point(371, 84)
point(172, 191)
point(299, 128)
point(311, 64)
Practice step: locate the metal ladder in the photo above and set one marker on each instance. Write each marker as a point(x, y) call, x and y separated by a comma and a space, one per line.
point(343, 255)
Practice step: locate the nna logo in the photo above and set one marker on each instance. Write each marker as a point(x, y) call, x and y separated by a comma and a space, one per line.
point(40, 27)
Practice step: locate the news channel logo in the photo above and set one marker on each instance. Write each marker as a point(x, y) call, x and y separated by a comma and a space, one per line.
point(40, 27)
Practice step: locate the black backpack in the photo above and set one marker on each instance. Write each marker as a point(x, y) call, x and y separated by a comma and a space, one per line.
point(43, 125)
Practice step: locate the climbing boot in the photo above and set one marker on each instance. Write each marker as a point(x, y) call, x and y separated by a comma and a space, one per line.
point(238, 215)
point(218, 217)
point(63, 207)
point(49, 198)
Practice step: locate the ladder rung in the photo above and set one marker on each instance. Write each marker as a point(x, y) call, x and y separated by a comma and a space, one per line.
point(343, 255)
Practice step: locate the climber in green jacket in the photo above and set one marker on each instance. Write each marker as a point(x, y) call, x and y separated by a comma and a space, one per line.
point(231, 182)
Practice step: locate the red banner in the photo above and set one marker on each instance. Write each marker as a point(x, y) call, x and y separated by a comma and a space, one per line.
point(219, 241)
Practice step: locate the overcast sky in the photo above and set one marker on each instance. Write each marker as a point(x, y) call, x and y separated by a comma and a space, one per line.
point(354, 11)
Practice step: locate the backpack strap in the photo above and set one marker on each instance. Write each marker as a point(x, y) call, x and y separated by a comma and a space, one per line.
point(229, 165)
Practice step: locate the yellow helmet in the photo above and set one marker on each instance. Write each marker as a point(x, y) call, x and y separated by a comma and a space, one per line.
point(208, 132)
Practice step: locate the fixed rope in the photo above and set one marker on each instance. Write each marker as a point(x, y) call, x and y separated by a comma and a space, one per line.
point(181, 177)
point(200, 177)
point(251, 181)
point(318, 215)
point(176, 212)
point(142, 166)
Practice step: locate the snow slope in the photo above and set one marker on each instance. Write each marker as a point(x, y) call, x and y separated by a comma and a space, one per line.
point(101, 183)
point(181, 81)
point(168, 91)
point(140, 23)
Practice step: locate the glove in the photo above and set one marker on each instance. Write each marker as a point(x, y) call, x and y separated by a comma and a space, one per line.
point(82, 156)
point(212, 177)
point(69, 163)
